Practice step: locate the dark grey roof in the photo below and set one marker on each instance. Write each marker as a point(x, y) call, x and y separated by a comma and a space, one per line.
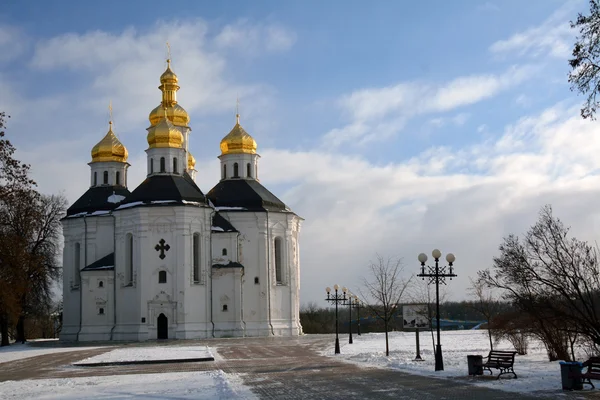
point(96, 200)
point(160, 189)
point(230, 264)
point(244, 195)
point(220, 224)
point(103, 264)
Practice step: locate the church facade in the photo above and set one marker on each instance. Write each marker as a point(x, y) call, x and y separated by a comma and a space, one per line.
point(168, 261)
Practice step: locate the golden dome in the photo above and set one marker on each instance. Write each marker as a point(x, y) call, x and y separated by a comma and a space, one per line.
point(168, 76)
point(164, 134)
point(238, 141)
point(176, 114)
point(109, 148)
point(191, 161)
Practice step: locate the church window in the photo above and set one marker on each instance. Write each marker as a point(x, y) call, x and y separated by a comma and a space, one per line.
point(162, 276)
point(225, 171)
point(118, 178)
point(129, 258)
point(249, 170)
point(235, 170)
point(196, 258)
point(256, 280)
point(95, 178)
point(151, 165)
point(100, 284)
point(278, 260)
point(224, 252)
point(106, 177)
point(224, 307)
point(162, 164)
point(175, 165)
point(101, 311)
point(77, 265)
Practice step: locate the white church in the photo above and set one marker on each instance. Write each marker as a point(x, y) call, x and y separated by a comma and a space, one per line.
point(168, 261)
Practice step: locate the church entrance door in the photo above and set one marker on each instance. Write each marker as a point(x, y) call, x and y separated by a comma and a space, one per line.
point(162, 324)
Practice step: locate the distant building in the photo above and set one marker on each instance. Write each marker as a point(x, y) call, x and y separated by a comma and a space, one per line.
point(168, 261)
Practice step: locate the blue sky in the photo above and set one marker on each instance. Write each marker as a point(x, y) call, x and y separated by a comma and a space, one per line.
point(392, 127)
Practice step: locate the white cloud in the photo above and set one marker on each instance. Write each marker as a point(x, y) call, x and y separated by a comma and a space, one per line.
point(13, 43)
point(368, 109)
point(462, 201)
point(554, 37)
point(251, 38)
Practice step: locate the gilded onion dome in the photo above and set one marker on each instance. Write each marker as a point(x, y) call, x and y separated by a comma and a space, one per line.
point(168, 86)
point(238, 141)
point(109, 148)
point(191, 161)
point(164, 134)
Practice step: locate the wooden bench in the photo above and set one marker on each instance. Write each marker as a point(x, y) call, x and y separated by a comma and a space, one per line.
point(500, 360)
point(593, 371)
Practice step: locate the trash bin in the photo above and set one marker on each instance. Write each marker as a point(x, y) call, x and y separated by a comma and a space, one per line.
point(475, 364)
point(570, 373)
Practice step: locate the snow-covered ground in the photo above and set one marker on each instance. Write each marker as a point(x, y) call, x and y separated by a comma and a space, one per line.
point(154, 353)
point(535, 372)
point(180, 385)
point(18, 351)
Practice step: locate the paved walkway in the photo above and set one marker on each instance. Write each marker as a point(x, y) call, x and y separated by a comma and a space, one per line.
point(279, 368)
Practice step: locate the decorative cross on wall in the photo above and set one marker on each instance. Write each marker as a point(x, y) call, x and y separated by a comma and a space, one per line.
point(162, 248)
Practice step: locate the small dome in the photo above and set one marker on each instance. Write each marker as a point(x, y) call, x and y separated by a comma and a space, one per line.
point(164, 134)
point(191, 161)
point(176, 114)
point(168, 76)
point(238, 141)
point(109, 148)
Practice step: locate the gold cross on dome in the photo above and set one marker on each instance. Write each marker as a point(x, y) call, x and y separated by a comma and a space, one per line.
point(168, 51)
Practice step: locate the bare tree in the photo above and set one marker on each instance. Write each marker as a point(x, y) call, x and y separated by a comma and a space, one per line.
point(552, 277)
point(585, 64)
point(386, 287)
point(485, 303)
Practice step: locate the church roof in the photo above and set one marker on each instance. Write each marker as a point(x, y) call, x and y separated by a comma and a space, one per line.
point(105, 263)
point(230, 264)
point(98, 200)
point(165, 189)
point(220, 224)
point(244, 195)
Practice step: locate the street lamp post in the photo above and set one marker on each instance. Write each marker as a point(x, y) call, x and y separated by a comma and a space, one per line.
point(335, 299)
point(437, 275)
point(350, 296)
point(356, 304)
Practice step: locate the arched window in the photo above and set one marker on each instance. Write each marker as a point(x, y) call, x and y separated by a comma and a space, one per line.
point(151, 165)
point(118, 178)
point(196, 258)
point(106, 177)
point(101, 311)
point(174, 165)
point(162, 276)
point(224, 252)
point(162, 164)
point(256, 280)
point(129, 258)
point(225, 171)
point(278, 260)
point(100, 284)
point(224, 307)
point(248, 170)
point(235, 170)
point(95, 178)
point(77, 264)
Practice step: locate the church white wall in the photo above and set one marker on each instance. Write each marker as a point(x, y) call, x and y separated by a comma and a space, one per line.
point(228, 162)
point(154, 155)
point(269, 307)
point(185, 303)
point(94, 235)
point(98, 305)
point(111, 167)
point(227, 301)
